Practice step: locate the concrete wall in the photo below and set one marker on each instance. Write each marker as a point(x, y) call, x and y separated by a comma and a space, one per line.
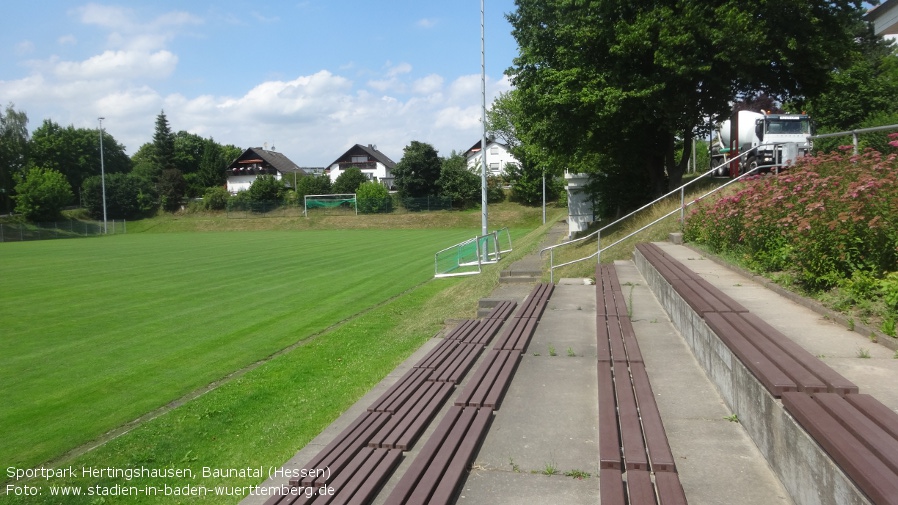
point(804, 468)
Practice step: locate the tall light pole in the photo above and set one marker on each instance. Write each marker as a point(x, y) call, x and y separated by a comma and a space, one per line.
point(483, 193)
point(103, 175)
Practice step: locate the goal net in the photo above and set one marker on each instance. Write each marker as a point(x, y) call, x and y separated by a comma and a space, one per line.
point(468, 257)
point(331, 204)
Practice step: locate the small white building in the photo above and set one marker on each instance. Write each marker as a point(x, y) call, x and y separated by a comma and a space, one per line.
point(884, 18)
point(376, 165)
point(257, 161)
point(498, 156)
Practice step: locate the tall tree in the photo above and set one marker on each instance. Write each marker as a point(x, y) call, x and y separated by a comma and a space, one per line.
point(418, 171)
point(163, 151)
point(13, 152)
point(41, 194)
point(621, 82)
point(75, 152)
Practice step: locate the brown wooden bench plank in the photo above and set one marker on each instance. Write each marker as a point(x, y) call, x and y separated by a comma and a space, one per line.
point(517, 334)
point(461, 331)
point(401, 390)
point(699, 304)
point(834, 381)
point(879, 413)
point(725, 301)
point(484, 332)
point(628, 334)
point(609, 431)
point(343, 447)
point(774, 379)
point(502, 310)
point(457, 363)
point(640, 490)
point(771, 344)
point(861, 465)
point(670, 490)
point(359, 483)
point(440, 353)
point(616, 339)
point(864, 429)
point(628, 416)
point(452, 440)
point(603, 344)
point(536, 301)
point(611, 487)
point(660, 457)
point(488, 384)
point(462, 459)
point(406, 425)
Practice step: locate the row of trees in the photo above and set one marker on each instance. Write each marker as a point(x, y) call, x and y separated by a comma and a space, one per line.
point(56, 166)
point(616, 88)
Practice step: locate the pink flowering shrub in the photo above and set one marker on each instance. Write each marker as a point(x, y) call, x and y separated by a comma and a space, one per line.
point(823, 220)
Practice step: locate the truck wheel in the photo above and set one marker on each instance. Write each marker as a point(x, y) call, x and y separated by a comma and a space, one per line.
point(752, 165)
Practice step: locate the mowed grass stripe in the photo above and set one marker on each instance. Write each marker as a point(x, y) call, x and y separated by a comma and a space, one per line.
point(98, 332)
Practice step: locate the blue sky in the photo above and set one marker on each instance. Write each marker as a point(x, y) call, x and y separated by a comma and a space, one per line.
point(310, 77)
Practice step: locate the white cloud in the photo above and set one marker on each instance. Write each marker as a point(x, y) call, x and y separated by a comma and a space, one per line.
point(67, 40)
point(125, 65)
point(426, 23)
point(24, 47)
point(433, 83)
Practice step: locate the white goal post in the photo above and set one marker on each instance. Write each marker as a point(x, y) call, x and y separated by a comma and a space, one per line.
point(344, 201)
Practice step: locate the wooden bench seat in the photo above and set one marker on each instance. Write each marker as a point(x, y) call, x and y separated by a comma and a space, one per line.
point(487, 385)
point(401, 390)
point(450, 360)
point(407, 424)
point(778, 362)
point(851, 431)
point(434, 475)
point(609, 430)
point(516, 335)
point(536, 301)
point(342, 449)
point(502, 310)
point(475, 331)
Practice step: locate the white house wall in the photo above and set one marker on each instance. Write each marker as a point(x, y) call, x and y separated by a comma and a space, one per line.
point(378, 174)
point(238, 183)
point(497, 154)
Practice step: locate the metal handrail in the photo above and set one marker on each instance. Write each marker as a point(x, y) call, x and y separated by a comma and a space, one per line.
point(854, 134)
point(681, 210)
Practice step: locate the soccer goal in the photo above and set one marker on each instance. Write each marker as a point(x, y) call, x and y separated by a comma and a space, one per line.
point(331, 204)
point(468, 257)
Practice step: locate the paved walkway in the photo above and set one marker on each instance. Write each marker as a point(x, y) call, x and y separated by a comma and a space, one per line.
point(542, 446)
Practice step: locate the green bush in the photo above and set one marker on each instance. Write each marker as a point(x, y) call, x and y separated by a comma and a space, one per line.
point(349, 181)
point(128, 196)
point(373, 198)
point(41, 194)
point(216, 198)
point(266, 188)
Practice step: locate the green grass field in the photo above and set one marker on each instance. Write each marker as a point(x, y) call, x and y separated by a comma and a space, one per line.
point(97, 332)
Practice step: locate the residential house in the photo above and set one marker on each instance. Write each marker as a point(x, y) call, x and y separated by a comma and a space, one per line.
point(257, 161)
point(497, 157)
point(373, 163)
point(884, 17)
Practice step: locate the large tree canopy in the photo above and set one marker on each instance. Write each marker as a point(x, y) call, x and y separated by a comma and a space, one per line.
point(418, 171)
point(619, 83)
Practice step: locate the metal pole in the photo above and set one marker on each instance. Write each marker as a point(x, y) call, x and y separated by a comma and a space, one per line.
point(483, 193)
point(102, 175)
point(544, 196)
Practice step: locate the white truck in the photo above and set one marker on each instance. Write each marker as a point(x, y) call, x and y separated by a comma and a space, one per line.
point(773, 139)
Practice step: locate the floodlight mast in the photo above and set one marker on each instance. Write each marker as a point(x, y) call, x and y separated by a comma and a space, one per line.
point(103, 175)
point(483, 192)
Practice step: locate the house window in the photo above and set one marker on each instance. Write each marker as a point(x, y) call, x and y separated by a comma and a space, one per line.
point(359, 159)
point(494, 150)
point(494, 167)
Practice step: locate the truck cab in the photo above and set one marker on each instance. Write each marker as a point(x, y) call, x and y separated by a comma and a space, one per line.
point(775, 130)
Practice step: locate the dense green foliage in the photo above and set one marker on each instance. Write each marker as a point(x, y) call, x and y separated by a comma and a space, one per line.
point(459, 183)
point(827, 221)
point(614, 85)
point(128, 196)
point(216, 198)
point(313, 185)
point(41, 194)
point(13, 150)
point(373, 198)
point(266, 188)
point(416, 175)
point(76, 152)
point(349, 181)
